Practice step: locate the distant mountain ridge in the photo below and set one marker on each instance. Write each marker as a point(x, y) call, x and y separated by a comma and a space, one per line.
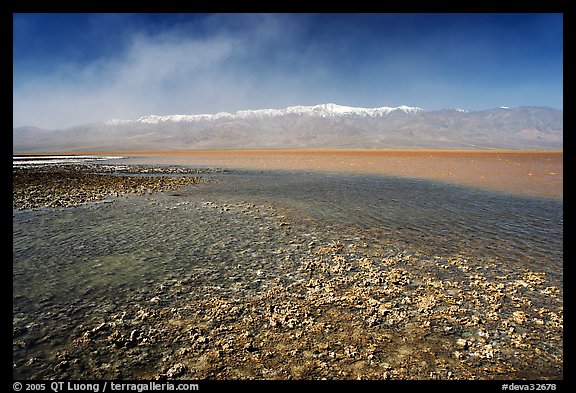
point(323, 110)
point(325, 126)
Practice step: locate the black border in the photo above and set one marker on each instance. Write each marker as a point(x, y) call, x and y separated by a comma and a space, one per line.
point(350, 386)
point(409, 6)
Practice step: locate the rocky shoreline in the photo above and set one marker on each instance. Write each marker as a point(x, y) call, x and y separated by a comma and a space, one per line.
point(281, 300)
point(70, 185)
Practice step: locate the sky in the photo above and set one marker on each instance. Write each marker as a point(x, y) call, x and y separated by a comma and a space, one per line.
point(71, 69)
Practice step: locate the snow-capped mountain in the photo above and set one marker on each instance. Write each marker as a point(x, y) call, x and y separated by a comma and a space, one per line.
point(325, 126)
point(323, 110)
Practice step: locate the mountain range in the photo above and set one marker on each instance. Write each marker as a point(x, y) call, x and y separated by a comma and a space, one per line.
point(325, 126)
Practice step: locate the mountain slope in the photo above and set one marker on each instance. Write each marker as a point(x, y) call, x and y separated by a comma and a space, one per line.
point(326, 126)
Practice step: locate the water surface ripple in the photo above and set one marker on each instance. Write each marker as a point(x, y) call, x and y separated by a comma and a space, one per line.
point(71, 266)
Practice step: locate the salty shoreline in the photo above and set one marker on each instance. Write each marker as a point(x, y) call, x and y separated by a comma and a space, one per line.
point(210, 284)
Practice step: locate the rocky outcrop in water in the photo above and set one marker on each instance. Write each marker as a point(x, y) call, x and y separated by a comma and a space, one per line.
point(72, 185)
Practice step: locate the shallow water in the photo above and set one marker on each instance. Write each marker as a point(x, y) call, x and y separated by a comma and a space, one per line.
point(72, 267)
point(422, 215)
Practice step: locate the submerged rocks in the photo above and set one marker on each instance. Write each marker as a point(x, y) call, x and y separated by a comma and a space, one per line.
point(339, 317)
point(176, 370)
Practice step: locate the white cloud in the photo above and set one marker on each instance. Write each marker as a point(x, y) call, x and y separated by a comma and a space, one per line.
point(170, 72)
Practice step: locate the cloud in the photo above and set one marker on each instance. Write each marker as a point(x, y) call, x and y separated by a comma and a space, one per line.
point(226, 68)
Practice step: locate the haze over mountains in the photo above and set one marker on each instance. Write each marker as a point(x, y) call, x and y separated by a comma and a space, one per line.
point(326, 126)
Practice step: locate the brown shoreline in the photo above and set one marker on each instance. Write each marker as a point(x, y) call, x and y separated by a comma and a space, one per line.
point(276, 151)
point(532, 173)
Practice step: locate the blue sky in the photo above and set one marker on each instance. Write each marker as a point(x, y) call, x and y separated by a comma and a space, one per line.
point(71, 69)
